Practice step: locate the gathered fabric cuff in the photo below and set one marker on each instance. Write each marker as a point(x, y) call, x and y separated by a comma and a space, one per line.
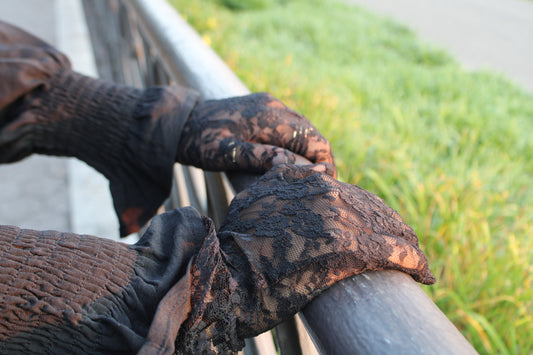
point(129, 135)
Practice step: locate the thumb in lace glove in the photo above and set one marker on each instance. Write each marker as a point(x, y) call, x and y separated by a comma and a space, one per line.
point(288, 237)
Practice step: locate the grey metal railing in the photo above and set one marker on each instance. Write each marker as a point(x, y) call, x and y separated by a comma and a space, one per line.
point(145, 42)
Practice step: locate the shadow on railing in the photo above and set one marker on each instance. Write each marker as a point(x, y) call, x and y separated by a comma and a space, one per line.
point(145, 42)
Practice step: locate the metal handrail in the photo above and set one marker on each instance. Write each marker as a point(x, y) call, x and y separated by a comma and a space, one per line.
point(375, 312)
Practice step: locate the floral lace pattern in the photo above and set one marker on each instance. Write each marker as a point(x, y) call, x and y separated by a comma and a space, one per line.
point(253, 133)
point(287, 238)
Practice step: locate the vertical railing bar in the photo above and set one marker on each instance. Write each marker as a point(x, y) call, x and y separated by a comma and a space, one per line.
point(218, 200)
point(112, 37)
point(286, 334)
point(148, 75)
point(196, 182)
point(196, 190)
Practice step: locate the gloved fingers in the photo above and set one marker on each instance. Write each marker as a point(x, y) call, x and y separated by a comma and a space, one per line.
point(256, 157)
point(313, 146)
point(256, 118)
point(294, 132)
point(408, 258)
point(263, 157)
point(301, 168)
point(304, 170)
point(268, 159)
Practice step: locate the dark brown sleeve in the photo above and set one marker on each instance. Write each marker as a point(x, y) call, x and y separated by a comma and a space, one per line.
point(129, 135)
point(63, 293)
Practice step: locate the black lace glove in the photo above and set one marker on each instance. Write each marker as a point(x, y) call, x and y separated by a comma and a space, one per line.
point(184, 289)
point(290, 236)
point(251, 133)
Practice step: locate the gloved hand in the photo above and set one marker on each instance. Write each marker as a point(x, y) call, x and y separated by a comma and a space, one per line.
point(287, 238)
point(251, 133)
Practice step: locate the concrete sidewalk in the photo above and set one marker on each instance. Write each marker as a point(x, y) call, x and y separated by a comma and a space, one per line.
point(33, 192)
point(55, 193)
point(480, 34)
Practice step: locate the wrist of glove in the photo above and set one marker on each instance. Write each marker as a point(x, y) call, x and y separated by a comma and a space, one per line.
point(290, 236)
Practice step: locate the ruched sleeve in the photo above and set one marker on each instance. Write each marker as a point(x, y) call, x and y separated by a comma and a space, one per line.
point(63, 293)
point(130, 135)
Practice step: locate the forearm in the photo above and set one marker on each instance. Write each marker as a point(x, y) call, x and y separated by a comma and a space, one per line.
point(130, 135)
point(102, 123)
point(65, 293)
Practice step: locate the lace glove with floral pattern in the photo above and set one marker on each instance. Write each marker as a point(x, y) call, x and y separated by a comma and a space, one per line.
point(290, 236)
point(184, 289)
point(251, 133)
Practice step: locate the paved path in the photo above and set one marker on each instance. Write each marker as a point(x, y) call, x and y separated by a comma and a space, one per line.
point(55, 193)
point(33, 192)
point(495, 34)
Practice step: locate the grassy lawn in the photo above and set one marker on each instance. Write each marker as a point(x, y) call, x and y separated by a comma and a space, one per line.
point(449, 149)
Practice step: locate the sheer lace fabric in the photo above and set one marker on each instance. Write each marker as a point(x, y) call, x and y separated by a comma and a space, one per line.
point(253, 133)
point(286, 239)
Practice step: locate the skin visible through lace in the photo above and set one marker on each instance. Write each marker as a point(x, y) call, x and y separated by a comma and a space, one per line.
point(287, 238)
point(253, 132)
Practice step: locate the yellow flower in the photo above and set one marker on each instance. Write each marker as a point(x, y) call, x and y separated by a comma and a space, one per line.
point(211, 23)
point(288, 59)
point(207, 40)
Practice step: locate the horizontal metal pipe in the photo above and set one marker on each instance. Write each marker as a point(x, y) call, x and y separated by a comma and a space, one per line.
point(381, 312)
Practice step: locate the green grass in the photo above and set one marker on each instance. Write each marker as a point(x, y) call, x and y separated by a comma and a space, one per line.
point(450, 150)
